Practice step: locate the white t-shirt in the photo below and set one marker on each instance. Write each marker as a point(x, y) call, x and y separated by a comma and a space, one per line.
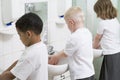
point(110, 42)
point(80, 52)
point(33, 65)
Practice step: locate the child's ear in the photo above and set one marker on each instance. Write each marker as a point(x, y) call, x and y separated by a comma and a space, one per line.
point(29, 34)
point(71, 21)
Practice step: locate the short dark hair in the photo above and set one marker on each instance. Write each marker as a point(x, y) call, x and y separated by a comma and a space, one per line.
point(105, 9)
point(30, 21)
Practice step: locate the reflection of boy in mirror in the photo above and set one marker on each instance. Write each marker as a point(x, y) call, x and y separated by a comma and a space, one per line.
point(33, 64)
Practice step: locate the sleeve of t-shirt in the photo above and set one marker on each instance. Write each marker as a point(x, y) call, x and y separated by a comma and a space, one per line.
point(101, 28)
point(70, 46)
point(22, 69)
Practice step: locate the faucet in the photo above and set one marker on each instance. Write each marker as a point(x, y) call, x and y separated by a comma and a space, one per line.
point(50, 50)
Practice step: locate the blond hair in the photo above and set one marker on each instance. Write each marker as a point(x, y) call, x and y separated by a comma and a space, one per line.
point(105, 9)
point(74, 13)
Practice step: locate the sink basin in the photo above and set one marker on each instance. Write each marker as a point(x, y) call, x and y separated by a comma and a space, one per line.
point(97, 53)
point(54, 70)
point(57, 69)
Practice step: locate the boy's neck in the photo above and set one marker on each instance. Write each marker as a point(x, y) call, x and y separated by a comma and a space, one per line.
point(79, 26)
point(35, 39)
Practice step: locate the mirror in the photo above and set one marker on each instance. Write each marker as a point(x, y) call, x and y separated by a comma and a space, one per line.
point(41, 9)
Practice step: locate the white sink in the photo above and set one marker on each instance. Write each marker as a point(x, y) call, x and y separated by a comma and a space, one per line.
point(54, 70)
point(57, 69)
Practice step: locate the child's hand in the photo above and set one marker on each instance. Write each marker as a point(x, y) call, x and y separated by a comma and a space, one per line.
point(53, 59)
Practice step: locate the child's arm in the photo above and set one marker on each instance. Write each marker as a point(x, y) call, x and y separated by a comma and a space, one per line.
point(7, 75)
point(54, 59)
point(11, 66)
point(96, 43)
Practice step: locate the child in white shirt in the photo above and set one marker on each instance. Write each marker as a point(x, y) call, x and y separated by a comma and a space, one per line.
point(78, 47)
point(33, 64)
point(108, 38)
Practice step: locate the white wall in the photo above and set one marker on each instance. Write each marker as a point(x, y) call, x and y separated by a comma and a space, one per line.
point(10, 45)
point(10, 49)
point(57, 33)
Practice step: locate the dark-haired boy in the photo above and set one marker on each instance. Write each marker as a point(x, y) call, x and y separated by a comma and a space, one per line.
point(33, 64)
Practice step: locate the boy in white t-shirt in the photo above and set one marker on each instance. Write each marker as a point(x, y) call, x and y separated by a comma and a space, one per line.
point(33, 64)
point(78, 47)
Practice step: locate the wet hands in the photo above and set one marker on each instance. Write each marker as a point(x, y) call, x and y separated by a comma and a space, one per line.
point(53, 59)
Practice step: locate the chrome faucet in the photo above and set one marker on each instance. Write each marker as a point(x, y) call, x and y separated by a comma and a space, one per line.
point(50, 50)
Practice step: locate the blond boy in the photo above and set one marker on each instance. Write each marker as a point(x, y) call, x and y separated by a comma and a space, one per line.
point(78, 48)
